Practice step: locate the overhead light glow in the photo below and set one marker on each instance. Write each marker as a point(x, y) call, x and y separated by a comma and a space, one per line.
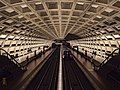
point(108, 10)
point(20, 16)
point(116, 36)
point(99, 17)
point(10, 10)
point(9, 21)
point(22, 37)
point(80, 3)
point(109, 29)
point(3, 36)
point(95, 6)
point(11, 37)
point(17, 31)
point(0, 16)
point(17, 37)
point(38, 3)
point(24, 6)
point(109, 36)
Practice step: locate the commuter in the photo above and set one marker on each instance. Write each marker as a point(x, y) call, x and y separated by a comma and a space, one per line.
point(16, 56)
point(119, 51)
point(4, 84)
point(94, 54)
point(4, 75)
point(93, 57)
point(27, 59)
point(85, 52)
point(82, 54)
point(35, 53)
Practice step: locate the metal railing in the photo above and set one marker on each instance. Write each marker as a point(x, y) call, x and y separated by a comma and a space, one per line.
point(11, 58)
point(96, 67)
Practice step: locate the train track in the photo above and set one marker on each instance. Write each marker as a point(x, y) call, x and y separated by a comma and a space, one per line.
point(46, 78)
point(73, 76)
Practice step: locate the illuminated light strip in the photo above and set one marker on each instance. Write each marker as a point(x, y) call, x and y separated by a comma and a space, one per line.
point(60, 82)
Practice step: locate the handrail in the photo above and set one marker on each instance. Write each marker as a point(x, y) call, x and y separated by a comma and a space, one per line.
point(12, 59)
point(100, 65)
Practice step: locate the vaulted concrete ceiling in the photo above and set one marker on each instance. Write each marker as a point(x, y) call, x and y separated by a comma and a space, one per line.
point(54, 19)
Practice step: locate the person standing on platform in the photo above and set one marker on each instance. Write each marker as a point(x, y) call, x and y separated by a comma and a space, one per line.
point(27, 59)
point(85, 52)
point(94, 54)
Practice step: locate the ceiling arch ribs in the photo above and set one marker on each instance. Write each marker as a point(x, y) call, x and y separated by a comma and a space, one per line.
point(56, 31)
point(82, 14)
point(38, 16)
point(60, 18)
point(108, 17)
point(70, 16)
point(54, 19)
point(13, 8)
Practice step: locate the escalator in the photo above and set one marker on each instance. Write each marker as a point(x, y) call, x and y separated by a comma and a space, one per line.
point(8, 64)
point(110, 68)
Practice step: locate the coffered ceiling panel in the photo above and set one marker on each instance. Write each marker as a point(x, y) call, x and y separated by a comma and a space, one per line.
point(55, 19)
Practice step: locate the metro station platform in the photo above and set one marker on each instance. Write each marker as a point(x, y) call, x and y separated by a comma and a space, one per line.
point(34, 64)
point(59, 44)
point(59, 68)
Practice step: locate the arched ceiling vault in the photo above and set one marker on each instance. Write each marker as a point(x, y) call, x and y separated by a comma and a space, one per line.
point(55, 19)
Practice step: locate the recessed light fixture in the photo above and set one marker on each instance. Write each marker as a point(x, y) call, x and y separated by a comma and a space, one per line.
point(17, 31)
point(109, 36)
point(9, 29)
point(24, 6)
point(116, 36)
point(38, 3)
point(98, 16)
point(3, 36)
point(11, 37)
point(103, 37)
point(20, 16)
point(10, 10)
point(109, 29)
point(1, 16)
point(95, 6)
point(9, 21)
point(80, 3)
point(108, 10)
point(17, 37)
point(31, 13)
